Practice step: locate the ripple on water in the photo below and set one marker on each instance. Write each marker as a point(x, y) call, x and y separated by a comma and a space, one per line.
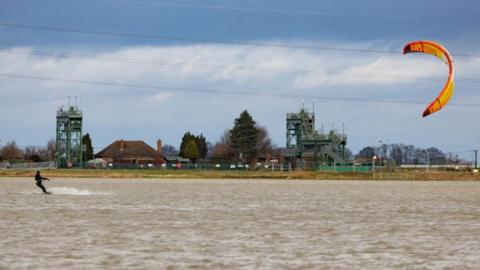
point(216, 224)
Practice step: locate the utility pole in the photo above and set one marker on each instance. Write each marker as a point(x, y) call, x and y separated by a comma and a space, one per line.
point(428, 160)
point(476, 152)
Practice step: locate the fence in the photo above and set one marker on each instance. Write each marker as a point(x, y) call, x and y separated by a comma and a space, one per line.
point(345, 168)
point(202, 166)
point(218, 166)
point(280, 167)
point(33, 165)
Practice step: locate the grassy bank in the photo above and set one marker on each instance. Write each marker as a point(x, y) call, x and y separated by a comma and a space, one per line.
point(211, 174)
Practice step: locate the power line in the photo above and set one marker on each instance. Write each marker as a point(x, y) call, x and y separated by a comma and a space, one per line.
point(229, 67)
point(290, 11)
point(198, 40)
point(187, 39)
point(213, 91)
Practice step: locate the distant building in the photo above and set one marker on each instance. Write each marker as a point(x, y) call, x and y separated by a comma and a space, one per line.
point(176, 161)
point(309, 148)
point(132, 154)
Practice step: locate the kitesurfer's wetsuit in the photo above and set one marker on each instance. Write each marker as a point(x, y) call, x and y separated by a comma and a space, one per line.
point(38, 179)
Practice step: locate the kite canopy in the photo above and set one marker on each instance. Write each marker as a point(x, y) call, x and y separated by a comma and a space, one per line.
point(439, 51)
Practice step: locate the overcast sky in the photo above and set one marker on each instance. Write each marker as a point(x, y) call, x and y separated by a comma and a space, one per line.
point(155, 69)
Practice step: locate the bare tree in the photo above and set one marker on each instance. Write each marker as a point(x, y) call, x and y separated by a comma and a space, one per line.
point(222, 150)
point(264, 143)
point(348, 154)
point(397, 154)
point(11, 152)
point(366, 153)
point(43, 153)
point(51, 149)
point(32, 153)
point(169, 150)
point(405, 154)
point(409, 152)
point(435, 156)
point(225, 139)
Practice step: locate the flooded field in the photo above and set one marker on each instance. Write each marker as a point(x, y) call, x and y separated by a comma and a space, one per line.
point(239, 224)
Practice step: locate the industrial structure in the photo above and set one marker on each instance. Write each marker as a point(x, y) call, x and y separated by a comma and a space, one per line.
point(69, 137)
point(309, 148)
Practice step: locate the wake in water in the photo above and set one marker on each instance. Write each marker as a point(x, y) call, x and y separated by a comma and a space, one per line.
point(64, 191)
point(73, 191)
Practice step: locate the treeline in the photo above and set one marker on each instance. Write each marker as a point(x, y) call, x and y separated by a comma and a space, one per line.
point(13, 153)
point(244, 142)
point(402, 154)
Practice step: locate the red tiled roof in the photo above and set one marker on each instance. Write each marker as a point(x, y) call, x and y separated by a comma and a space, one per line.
point(131, 149)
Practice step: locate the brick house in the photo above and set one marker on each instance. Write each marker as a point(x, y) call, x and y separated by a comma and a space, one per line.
point(122, 153)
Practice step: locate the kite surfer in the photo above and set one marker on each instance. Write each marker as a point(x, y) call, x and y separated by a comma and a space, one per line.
point(39, 179)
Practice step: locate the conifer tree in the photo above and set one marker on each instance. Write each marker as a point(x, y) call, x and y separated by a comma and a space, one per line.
point(191, 151)
point(200, 142)
point(243, 137)
point(88, 153)
point(187, 137)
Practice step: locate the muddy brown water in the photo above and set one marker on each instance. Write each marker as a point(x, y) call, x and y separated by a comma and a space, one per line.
point(239, 224)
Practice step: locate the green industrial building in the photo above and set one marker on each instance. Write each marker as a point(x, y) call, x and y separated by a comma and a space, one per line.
point(69, 137)
point(308, 148)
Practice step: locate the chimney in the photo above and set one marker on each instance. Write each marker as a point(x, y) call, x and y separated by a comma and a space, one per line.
point(122, 145)
point(159, 146)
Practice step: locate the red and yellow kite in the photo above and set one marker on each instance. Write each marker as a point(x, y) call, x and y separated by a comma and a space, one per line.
point(439, 51)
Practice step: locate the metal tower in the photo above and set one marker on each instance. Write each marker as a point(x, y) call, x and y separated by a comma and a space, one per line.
point(69, 137)
point(309, 147)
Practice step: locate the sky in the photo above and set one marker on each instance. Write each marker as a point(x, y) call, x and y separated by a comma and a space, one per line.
point(155, 69)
